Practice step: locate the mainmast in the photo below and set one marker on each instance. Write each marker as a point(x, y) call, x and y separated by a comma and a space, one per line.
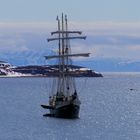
point(62, 89)
point(59, 54)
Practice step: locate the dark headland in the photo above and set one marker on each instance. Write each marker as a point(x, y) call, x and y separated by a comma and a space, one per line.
point(52, 71)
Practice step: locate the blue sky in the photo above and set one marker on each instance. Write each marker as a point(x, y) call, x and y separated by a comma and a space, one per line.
point(112, 28)
point(79, 10)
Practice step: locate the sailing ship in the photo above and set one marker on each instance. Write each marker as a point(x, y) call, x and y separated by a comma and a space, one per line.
point(64, 102)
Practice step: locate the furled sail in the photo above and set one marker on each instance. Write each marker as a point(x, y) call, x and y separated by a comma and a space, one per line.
point(68, 55)
point(67, 32)
point(66, 38)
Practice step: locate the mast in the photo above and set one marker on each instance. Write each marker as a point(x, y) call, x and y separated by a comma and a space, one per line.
point(67, 51)
point(59, 53)
point(61, 81)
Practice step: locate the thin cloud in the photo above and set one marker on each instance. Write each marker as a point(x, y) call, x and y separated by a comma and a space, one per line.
point(84, 26)
point(104, 39)
point(26, 26)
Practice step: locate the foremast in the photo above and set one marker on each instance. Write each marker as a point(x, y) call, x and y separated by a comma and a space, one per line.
point(66, 83)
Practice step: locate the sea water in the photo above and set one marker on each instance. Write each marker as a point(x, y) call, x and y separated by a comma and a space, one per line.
point(110, 109)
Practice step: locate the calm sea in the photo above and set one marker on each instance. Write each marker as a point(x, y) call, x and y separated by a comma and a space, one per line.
point(110, 109)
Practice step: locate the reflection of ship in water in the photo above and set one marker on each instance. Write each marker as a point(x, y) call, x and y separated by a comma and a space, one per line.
point(64, 101)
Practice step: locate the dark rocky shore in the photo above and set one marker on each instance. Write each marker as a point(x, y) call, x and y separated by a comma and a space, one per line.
point(52, 71)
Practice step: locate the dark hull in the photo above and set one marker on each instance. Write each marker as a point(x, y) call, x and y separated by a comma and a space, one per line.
point(66, 111)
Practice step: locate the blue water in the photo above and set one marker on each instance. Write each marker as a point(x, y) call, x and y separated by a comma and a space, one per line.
point(109, 109)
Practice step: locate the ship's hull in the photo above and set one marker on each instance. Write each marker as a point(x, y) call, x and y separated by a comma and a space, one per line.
point(63, 108)
point(66, 111)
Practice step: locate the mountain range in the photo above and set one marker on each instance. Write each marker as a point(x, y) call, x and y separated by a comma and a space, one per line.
point(113, 53)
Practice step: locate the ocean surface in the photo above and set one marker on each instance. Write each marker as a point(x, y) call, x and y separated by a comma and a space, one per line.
point(110, 109)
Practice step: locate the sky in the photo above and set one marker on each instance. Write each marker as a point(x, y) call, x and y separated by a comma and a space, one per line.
point(112, 28)
point(79, 10)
